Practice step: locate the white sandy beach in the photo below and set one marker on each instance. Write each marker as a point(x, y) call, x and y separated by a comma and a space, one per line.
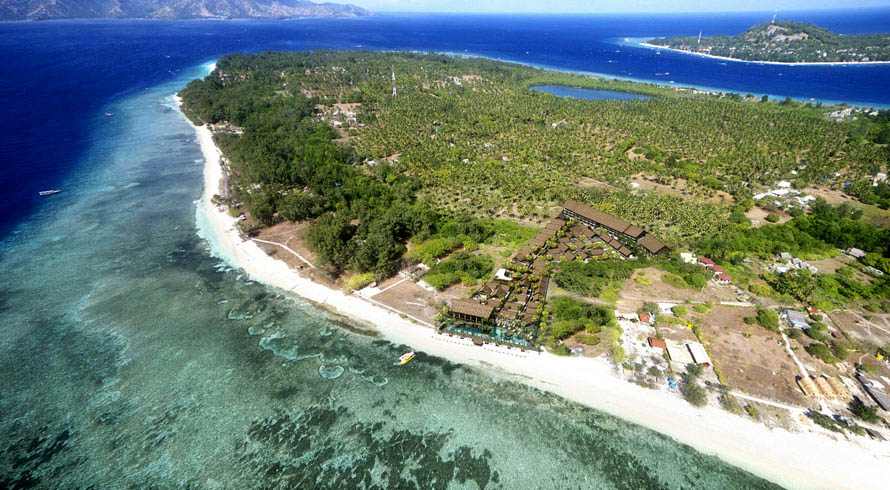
point(782, 63)
point(796, 460)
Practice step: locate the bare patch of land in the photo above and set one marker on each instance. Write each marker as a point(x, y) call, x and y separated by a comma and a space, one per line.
point(648, 285)
point(749, 357)
point(758, 215)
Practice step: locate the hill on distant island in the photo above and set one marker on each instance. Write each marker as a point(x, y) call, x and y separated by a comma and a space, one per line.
point(790, 42)
point(172, 9)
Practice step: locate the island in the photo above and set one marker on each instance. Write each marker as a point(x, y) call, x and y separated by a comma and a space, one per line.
point(679, 258)
point(166, 9)
point(785, 42)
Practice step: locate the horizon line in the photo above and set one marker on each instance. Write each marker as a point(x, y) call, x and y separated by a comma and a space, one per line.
point(627, 12)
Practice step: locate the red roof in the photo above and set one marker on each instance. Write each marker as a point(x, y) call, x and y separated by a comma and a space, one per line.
point(706, 262)
point(657, 342)
point(716, 268)
point(645, 317)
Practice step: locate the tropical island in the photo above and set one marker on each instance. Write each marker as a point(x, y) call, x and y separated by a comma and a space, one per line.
point(724, 250)
point(169, 10)
point(785, 42)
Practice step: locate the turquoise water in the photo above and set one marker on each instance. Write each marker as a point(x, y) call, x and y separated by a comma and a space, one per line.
point(131, 358)
point(586, 93)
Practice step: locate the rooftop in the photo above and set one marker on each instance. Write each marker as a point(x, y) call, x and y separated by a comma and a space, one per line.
point(651, 244)
point(471, 308)
point(597, 216)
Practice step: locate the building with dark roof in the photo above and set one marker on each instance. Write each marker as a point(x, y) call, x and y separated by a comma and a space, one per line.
point(594, 217)
point(470, 311)
point(652, 244)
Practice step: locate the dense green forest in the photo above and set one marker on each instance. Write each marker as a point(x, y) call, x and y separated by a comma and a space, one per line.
point(790, 42)
point(464, 151)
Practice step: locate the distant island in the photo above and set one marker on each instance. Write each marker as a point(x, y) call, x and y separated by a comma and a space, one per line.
point(170, 9)
point(785, 42)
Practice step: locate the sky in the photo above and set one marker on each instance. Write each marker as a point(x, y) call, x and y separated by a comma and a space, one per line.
point(606, 6)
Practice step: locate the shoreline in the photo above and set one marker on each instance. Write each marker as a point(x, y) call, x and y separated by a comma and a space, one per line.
point(661, 83)
point(791, 459)
point(647, 45)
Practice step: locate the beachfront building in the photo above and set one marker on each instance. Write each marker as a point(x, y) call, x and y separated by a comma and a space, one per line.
point(470, 311)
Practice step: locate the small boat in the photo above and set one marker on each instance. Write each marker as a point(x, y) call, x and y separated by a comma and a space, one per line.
point(109, 114)
point(406, 358)
point(49, 192)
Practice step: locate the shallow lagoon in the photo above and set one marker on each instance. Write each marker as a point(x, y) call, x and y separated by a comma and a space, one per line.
point(586, 93)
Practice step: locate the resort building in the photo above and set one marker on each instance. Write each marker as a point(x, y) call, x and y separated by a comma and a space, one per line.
point(470, 311)
point(594, 217)
point(616, 226)
point(652, 244)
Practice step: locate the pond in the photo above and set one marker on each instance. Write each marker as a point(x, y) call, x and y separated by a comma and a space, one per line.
point(587, 93)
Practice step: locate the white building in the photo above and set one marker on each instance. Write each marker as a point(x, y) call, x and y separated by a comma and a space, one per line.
point(698, 353)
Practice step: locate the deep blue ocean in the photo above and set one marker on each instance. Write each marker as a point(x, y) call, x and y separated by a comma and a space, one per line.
point(132, 358)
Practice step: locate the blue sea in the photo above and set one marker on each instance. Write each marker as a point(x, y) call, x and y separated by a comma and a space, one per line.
point(131, 358)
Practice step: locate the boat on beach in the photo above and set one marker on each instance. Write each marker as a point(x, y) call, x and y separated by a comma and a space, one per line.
point(49, 192)
point(406, 358)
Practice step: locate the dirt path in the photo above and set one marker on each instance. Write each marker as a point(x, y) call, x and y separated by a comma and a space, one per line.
point(310, 264)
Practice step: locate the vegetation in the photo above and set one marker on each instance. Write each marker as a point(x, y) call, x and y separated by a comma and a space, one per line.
point(469, 129)
point(592, 278)
point(458, 169)
point(821, 352)
point(814, 235)
point(358, 281)
point(863, 412)
point(729, 402)
point(791, 42)
point(692, 390)
point(768, 319)
point(461, 267)
point(682, 275)
point(571, 316)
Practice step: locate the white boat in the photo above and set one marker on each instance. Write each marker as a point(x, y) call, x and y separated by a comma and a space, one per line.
point(50, 192)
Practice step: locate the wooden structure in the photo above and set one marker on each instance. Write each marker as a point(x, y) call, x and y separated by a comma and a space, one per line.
point(470, 311)
point(652, 245)
point(595, 218)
